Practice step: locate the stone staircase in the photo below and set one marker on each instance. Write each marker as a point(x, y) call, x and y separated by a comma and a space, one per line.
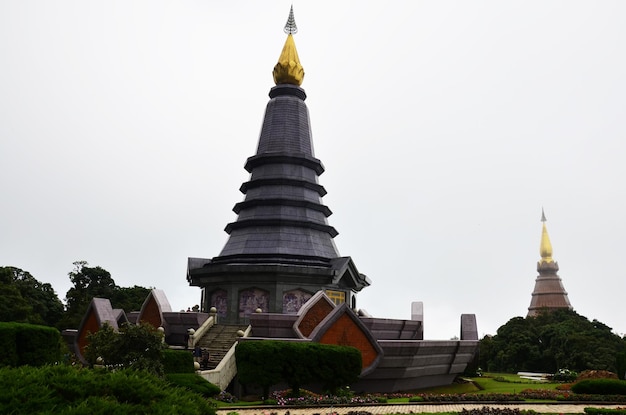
point(218, 340)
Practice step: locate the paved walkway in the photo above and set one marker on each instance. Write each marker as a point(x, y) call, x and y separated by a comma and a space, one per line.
point(415, 408)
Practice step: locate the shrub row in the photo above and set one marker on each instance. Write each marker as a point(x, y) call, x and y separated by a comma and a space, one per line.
point(605, 411)
point(600, 387)
point(29, 344)
point(194, 383)
point(177, 361)
point(69, 390)
point(270, 362)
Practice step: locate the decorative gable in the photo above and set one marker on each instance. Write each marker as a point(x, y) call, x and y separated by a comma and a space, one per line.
point(153, 308)
point(312, 313)
point(98, 313)
point(343, 327)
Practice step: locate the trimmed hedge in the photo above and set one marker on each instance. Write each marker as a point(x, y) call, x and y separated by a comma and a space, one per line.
point(69, 390)
point(605, 411)
point(194, 383)
point(178, 361)
point(29, 344)
point(600, 387)
point(268, 362)
point(8, 344)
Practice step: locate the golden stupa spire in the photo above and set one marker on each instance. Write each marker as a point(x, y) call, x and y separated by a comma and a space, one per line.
point(545, 249)
point(288, 69)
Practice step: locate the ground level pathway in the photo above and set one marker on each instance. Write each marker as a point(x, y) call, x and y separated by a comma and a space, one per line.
point(409, 408)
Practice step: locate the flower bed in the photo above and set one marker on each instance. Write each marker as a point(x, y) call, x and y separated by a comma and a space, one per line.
point(283, 398)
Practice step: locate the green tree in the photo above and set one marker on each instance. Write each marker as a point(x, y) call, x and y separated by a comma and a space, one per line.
point(25, 299)
point(13, 307)
point(550, 341)
point(135, 346)
point(129, 298)
point(89, 282)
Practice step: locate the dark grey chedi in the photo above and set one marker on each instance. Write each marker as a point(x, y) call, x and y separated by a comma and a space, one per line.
point(280, 253)
point(280, 250)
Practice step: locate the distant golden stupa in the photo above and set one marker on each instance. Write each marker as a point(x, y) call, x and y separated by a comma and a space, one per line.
point(549, 292)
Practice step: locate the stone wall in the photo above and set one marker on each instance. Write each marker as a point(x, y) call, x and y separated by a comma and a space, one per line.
point(416, 364)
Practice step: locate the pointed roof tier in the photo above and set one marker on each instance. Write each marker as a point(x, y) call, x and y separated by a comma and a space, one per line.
point(282, 214)
point(549, 292)
point(282, 224)
point(282, 217)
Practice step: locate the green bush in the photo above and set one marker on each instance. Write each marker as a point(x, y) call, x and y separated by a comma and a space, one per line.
point(621, 365)
point(600, 387)
point(565, 375)
point(29, 344)
point(38, 345)
point(268, 362)
point(178, 361)
point(605, 411)
point(8, 344)
point(259, 363)
point(136, 346)
point(194, 383)
point(63, 389)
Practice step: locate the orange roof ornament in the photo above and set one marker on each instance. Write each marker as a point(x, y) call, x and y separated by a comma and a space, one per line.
point(288, 70)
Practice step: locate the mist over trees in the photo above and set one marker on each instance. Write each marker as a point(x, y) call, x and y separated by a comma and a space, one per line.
point(558, 339)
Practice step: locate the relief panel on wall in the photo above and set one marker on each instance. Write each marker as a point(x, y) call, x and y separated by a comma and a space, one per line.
point(219, 300)
point(293, 300)
point(250, 300)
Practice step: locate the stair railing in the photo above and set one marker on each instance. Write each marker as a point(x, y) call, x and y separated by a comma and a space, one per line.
point(226, 370)
point(197, 335)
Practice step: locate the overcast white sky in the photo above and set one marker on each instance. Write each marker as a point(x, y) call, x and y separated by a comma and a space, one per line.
point(444, 127)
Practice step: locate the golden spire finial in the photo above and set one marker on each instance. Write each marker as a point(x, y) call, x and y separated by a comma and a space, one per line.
point(545, 249)
point(288, 69)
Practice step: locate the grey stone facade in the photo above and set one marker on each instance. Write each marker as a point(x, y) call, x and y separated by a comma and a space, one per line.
point(280, 250)
point(406, 361)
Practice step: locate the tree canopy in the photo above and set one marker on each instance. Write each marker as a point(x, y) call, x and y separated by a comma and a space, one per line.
point(552, 340)
point(136, 346)
point(24, 299)
point(89, 282)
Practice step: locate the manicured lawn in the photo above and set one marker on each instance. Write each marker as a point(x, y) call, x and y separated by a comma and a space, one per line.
point(489, 384)
point(512, 383)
